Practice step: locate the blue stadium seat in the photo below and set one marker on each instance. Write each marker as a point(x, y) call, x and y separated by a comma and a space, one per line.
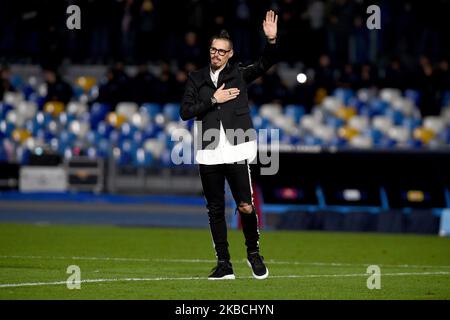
point(65, 119)
point(67, 138)
point(411, 123)
point(294, 111)
point(311, 140)
point(127, 150)
point(77, 91)
point(254, 110)
point(42, 119)
point(16, 81)
point(4, 108)
point(98, 113)
point(39, 100)
point(142, 158)
point(396, 116)
point(344, 94)
point(127, 131)
point(334, 122)
point(103, 148)
point(27, 91)
point(413, 95)
point(104, 129)
point(378, 107)
point(171, 111)
point(152, 109)
point(260, 122)
point(446, 99)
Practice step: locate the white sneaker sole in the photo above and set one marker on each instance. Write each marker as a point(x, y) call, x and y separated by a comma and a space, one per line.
point(264, 276)
point(227, 277)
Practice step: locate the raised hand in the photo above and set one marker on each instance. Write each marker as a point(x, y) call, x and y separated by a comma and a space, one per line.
point(223, 95)
point(270, 25)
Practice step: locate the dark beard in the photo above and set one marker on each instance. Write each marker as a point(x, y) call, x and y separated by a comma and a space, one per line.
point(213, 67)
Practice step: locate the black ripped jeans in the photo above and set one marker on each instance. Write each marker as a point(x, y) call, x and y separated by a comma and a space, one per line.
point(239, 179)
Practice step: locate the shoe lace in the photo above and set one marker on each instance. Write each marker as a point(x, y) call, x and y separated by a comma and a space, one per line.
point(219, 266)
point(256, 259)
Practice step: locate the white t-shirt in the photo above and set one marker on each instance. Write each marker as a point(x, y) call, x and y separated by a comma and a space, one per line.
point(226, 152)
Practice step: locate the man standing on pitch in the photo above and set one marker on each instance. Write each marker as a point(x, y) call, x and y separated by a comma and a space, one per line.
point(217, 97)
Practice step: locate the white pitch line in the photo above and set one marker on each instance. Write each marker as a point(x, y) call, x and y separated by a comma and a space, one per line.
point(334, 264)
point(51, 283)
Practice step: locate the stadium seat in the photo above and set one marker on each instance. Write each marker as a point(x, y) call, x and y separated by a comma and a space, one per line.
point(78, 128)
point(347, 132)
point(115, 119)
point(15, 118)
point(140, 120)
point(334, 122)
point(446, 99)
point(382, 123)
point(27, 109)
point(4, 108)
point(260, 122)
point(152, 109)
point(6, 128)
point(85, 82)
point(344, 95)
point(395, 116)
point(155, 147)
point(127, 109)
point(359, 122)
point(39, 100)
point(20, 135)
point(76, 108)
point(389, 94)
point(324, 133)
point(171, 111)
point(270, 110)
point(104, 129)
point(65, 119)
point(331, 104)
point(345, 113)
point(294, 111)
point(445, 114)
point(98, 113)
point(406, 106)
point(142, 158)
point(400, 134)
point(413, 95)
point(434, 123)
point(54, 108)
point(378, 107)
point(308, 122)
point(13, 98)
point(361, 141)
point(424, 135)
point(411, 123)
point(365, 95)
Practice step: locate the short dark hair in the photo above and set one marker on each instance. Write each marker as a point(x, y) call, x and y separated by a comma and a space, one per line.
point(223, 35)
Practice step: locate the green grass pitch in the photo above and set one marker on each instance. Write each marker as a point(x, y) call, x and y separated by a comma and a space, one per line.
point(154, 263)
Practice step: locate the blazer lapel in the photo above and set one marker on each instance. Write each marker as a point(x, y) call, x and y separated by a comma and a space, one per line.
point(207, 77)
point(226, 74)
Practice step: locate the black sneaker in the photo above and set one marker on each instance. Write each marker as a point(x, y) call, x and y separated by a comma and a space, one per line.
point(223, 271)
point(259, 269)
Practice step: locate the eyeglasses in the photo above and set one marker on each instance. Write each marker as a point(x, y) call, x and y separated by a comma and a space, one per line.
point(221, 52)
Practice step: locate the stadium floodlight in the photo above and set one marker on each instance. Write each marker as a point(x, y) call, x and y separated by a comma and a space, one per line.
point(301, 78)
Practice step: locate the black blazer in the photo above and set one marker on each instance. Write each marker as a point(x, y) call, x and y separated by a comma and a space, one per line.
point(234, 114)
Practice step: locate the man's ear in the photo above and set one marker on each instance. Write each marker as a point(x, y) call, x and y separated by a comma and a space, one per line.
point(231, 53)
